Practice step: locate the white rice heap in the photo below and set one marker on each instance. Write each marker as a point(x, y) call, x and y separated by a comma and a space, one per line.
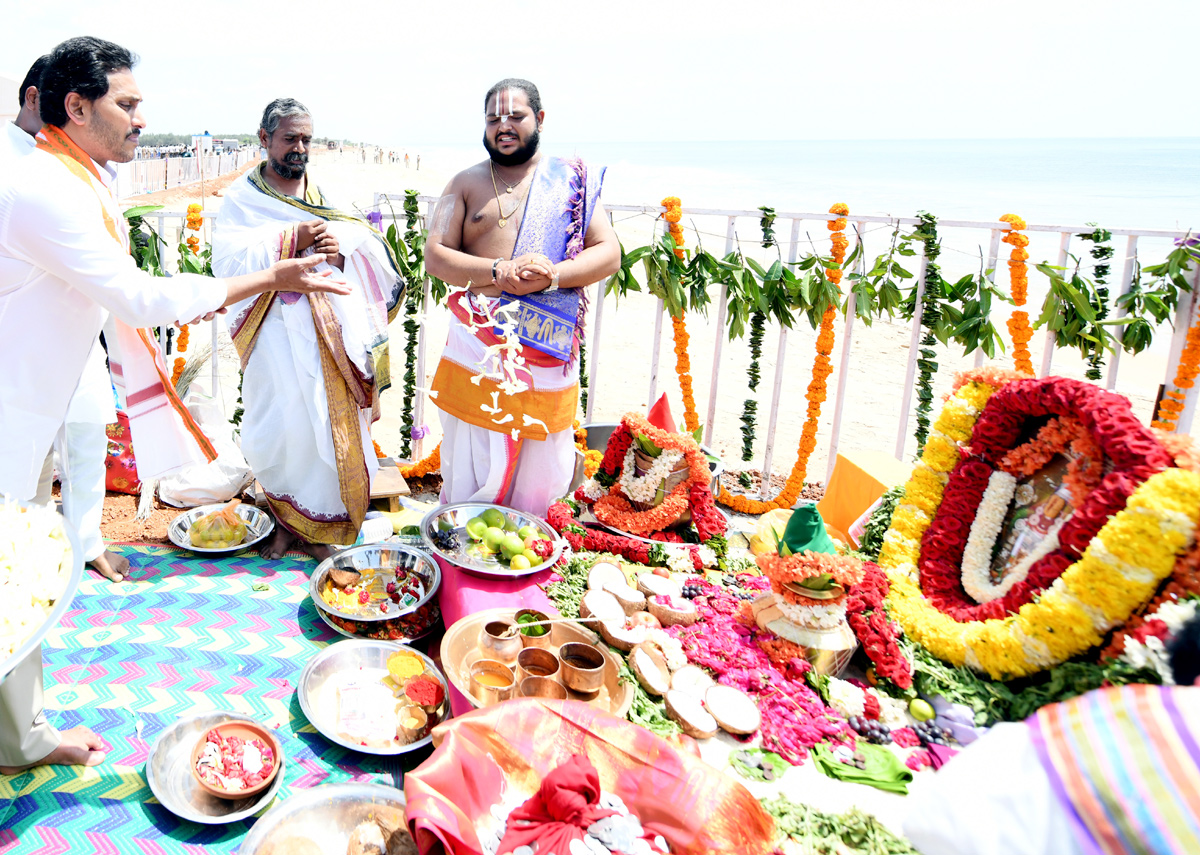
point(35, 565)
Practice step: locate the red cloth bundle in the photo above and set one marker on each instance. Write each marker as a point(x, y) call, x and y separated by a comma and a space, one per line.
point(559, 812)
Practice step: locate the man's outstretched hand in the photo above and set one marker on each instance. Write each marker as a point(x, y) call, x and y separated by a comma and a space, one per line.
point(295, 274)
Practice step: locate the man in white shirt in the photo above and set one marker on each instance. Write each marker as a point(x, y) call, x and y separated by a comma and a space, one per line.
point(64, 264)
point(85, 444)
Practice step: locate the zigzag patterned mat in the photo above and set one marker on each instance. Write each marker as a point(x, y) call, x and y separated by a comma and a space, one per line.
point(186, 636)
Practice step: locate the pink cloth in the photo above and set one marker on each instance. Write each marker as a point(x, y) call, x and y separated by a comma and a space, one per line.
point(462, 594)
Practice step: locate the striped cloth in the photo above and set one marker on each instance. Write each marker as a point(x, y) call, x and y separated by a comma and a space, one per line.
point(1125, 765)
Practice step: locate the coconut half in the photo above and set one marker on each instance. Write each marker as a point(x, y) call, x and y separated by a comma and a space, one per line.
point(692, 679)
point(683, 613)
point(734, 710)
point(605, 574)
point(651, 668)
point(622, 637)
point(598, 607)
point(651, 585)
point(631, 599)
point(689, 711)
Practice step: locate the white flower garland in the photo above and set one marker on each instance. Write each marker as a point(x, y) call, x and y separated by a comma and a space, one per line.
point(679, 559)
point(985, 528)
point(815, 617)
point(645, 487)
point(593, 489)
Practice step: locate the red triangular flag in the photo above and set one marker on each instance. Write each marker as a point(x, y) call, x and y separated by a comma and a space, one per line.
point(660, 415)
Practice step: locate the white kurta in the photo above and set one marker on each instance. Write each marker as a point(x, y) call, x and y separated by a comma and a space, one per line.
point(60, 271)
point(286, 435)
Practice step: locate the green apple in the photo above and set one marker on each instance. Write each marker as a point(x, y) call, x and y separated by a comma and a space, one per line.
point(495, 517)
point(512, 545)
point(534, 558)
point(510, 525)
point(519, 562)
point(493, 537)
point(476, 526)
point(529, 531)
point(920, 710)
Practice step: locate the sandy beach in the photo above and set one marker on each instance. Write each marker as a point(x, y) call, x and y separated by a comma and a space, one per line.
point(875, 373)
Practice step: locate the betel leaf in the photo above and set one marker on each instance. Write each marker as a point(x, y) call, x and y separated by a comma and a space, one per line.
point(647, 445)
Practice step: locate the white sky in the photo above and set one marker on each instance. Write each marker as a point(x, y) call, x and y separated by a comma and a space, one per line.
point(398, 73)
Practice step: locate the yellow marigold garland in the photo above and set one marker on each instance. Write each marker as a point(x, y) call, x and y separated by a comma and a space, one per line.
point(673, 215)
point(1119, 571)
point(591, 457)
point(816, 393)
point(421, 468)
point(1018, 322)
point(923, 492)
point(683, 367)
point(1172, 403)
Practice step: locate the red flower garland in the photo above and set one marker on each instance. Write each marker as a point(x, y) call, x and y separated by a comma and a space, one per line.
point(1106, 416)
point(868, 618)
point(562, 519)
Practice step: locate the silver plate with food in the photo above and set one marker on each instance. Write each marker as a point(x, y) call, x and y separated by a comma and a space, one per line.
point(330, 819)
point(342, 688)
point(259, 526)
point(169, 773)
point(461, 534)
point(384, 591)
point(70, 563)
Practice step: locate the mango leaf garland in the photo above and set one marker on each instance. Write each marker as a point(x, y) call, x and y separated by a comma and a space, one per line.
point(1101, 253)
point(930, 316)
point(758, 321)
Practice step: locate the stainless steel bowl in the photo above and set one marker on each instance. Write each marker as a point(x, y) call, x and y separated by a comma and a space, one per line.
point(352, 655)
point(454, 518)
point(31, 646)
point(169, 774)
point(396, 624)
point(259, 526)
point(598, 435)
point(326, 814)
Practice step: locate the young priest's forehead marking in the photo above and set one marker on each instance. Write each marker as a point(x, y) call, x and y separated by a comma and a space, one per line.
point(503, 107)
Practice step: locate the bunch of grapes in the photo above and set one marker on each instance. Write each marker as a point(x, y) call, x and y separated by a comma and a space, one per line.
point(875, 732)
point(930, 734)
point(691, 591)
point(447, 541)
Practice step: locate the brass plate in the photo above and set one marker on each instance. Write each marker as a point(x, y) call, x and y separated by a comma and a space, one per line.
point(460, 650)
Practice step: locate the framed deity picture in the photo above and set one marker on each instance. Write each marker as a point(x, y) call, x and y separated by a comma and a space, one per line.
point(1040, 507)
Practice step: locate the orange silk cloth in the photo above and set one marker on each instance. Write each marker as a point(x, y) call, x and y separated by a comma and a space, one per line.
point(697, 808)
point(859, 478)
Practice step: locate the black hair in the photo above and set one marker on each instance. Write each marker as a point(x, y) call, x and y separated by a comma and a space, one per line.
point(1184, 652)
point(79, 65)
point(531, 92)
point(279, 109)
point(32, 78)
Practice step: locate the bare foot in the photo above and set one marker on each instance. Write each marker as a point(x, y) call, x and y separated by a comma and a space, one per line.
point(79, 747)
point(319, 551)
point(111, 566)
point(280, 543)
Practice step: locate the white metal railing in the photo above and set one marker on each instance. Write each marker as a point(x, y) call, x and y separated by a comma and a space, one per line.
point(148, 176)
point(1185, 316)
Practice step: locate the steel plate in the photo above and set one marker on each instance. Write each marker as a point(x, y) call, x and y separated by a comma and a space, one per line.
point(348, 655)
point(455, 518)
point(169, 774)
point(326, 815)
point(73, 556)
point(258, 526)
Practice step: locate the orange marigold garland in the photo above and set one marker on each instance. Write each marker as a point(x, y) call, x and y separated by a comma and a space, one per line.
point(1173, 400)
point(181, 343)
point(683, 367)
point(180, 362)
point(816, 393)
point(673, 215)
point(1018, 322)
point(591, 457)
point(421, 468)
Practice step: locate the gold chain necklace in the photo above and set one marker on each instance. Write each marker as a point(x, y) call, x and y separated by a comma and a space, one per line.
point(503, 221)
